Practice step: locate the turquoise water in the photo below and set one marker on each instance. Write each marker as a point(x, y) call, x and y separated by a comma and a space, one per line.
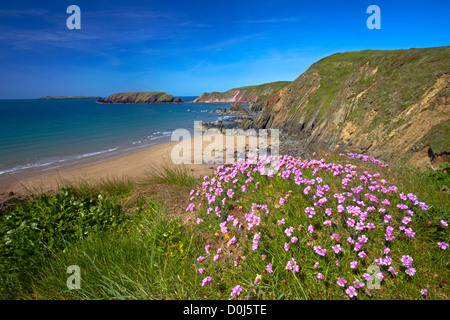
point(49, 133)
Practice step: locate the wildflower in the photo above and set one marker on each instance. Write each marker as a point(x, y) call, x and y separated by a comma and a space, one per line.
point(190, 207)
point(410, 233)
point(287, 246)
point(201, 270)
point(269, 268)
point(358, 284)
point(282, 201)
point(366, 276)
point(316, 265)
point(230, 193)
point(387, 218)
point(216, 257)
point(406, 220)
point(310, 212)
point(410, 271)
point(311, 228)
point(406, 260)
point(289, 231)
point(236, 291)
point(351, 291)
point(337, 248)
point(442, 245)
point(443, 223)
point(328, 211)
point(281, 222)
point(207, 281)
point(232, 241)
point(362, 255)
point(327, 223)
point(386, 250)
point(402, 206)
point(341, 282)
point(320, 276)
point(320, 251)
point(335, 236)
point(350, 240)
point(424, 292)
point(294, 239)
point(350, 222)
point(354, 264)
point(200, 258)
point(258, 279)
point(392, 270)
point(207, 248)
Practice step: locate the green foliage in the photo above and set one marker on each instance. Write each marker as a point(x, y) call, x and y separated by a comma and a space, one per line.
point(48, 223)
point(151, 259)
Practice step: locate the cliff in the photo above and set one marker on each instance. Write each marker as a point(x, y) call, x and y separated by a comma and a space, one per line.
point(393, 105)
point(243, 94)
point(140, 98)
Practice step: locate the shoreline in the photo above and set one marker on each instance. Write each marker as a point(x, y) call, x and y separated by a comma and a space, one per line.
point(131, 165)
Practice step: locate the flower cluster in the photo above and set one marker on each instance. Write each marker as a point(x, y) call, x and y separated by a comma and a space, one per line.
point(356, 222)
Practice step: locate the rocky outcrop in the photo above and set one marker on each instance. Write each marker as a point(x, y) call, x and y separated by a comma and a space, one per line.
point(140, 98)
point(243, 94)
point(393, 105)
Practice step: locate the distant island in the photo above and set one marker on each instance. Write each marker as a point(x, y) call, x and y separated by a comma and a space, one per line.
point(140, 98)
point(68, 97)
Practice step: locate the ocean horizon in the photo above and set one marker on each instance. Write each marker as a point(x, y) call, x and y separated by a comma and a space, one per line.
point(46, 134)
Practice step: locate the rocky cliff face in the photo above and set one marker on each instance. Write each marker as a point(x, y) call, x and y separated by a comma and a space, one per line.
point(394, 105)
point(242, 95)
point(140, 98)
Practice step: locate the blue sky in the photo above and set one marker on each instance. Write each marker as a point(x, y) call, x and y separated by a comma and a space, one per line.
point(186, 48)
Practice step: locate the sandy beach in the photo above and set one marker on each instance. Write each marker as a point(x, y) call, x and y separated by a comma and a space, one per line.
point(134, 166)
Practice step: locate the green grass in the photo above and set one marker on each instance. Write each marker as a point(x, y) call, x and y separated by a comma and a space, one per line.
point(150, 254)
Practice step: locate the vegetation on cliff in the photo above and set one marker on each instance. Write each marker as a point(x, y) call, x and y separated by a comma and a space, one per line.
point(243, 94)
point(140, 98)
point(384, 103)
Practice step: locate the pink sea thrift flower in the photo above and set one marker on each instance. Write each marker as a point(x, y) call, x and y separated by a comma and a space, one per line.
point(354, 264)
point(258, 279)
point(443, 245)
point(351, 291)
point(236, 291)
point(341, 282)
point(424, 292)
point(443, 223)
point(320, 276)
point(269, 268)
point(337, 248)
point(287, 246)
point(207, 281)
point(410, 271)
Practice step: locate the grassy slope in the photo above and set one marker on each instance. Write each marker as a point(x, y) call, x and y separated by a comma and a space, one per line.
point(141, 96)
point(248, 91)
point(152, 255)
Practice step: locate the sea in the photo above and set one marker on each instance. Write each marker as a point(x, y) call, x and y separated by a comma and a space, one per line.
point(47, 134)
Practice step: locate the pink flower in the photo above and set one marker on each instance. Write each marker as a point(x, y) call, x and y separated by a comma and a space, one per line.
point(337, 248)
point(443, 223)
point(406, 220)
point(354, 264)
point(320, 276)
point(406, 260)
point(341, 282)
point(287, 246)
point(410, 271)
point(311, 228)
point(289, 231)
point(424, 292)
point(351, 222)
point(410, 233)
point(320, 251)
point(207, 281)
point(351, 291)
point(201, 270)
point(358, 284)
point(294, 239)
point(281, 222)
point(236, 291)
point(327, 223)
point(258, 279)
point(442, 245)
point(269, 268)
point(362, 255)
